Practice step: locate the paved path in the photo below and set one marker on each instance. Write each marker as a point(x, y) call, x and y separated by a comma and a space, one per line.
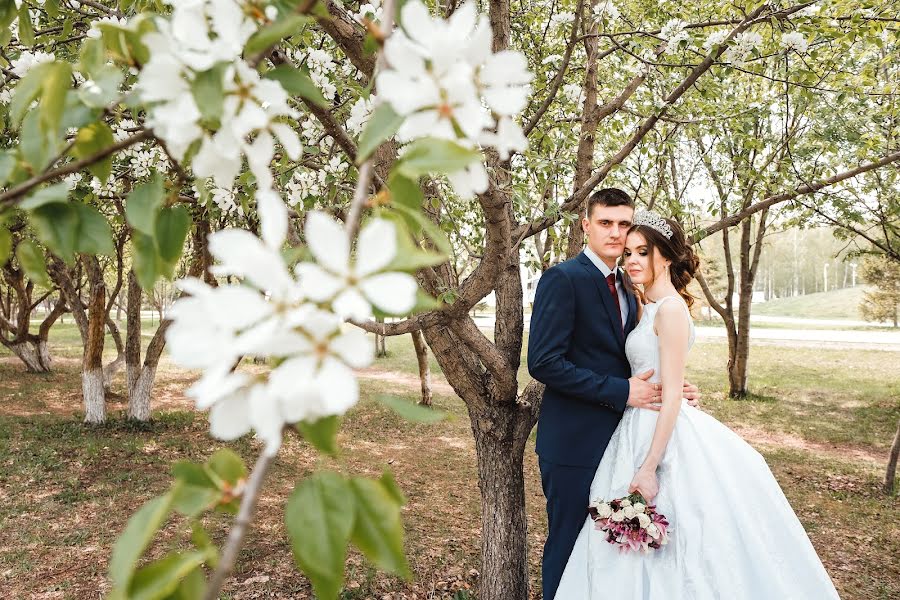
point(833, 338)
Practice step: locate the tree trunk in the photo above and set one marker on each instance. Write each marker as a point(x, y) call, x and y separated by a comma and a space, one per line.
point(891, 472)
point(424, 368)
point(92, 365)
point(139, 395)
point(132, 335)
point(501, 430)
point(380, 342)
point(34, 354)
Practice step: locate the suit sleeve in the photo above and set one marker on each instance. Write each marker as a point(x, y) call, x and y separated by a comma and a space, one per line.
point(552, 326)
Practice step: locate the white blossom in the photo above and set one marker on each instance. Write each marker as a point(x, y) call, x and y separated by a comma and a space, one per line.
point(354, 286)
point(606, 10)
point(29, 60)
point(508, 138)
point(360, 113)
point(445, 80)
point(714, 39)
point(742, 45)
point(71, 180)
point(469, 181)
point(794, 40)
point(95, 32)
point(674, 32)
point(562, 18)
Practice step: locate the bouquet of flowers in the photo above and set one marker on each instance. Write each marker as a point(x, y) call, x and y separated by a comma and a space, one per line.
point(630, 523)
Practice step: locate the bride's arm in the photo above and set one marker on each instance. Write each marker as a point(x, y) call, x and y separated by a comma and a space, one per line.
point(673, 328)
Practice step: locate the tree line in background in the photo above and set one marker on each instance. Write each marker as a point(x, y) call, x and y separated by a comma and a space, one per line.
point(740, 120)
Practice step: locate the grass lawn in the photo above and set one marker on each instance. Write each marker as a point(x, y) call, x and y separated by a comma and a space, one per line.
point(823, 419)
point(834, 304)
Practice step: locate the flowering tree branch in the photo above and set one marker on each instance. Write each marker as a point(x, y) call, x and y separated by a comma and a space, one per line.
point(235, 539)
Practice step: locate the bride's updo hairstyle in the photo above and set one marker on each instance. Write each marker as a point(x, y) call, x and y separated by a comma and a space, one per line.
point(676, 249)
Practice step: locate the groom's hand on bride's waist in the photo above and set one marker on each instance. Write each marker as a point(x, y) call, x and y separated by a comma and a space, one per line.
point(643, 394)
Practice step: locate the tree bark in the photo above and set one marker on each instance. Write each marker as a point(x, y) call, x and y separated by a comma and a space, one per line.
point(891, 472)
point(132, 334)
point(92, 382)
point(424, 369)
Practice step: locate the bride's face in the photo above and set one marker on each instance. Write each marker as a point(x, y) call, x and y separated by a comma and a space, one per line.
point(639, 260)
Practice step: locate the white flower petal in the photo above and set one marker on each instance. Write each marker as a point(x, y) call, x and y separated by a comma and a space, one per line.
point(393, 293)
point(327, 241)
point(289, 140)
point(243, 254)
point(273, 218)
point(229, 418)
point(350, 304)
point(316, 283)
point(377, 246)
point(354, 348)
point(266, 417)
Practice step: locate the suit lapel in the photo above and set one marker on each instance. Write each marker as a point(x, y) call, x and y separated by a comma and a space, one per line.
point(605, 297)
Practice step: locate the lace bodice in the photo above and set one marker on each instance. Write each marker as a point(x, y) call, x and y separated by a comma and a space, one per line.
point(642, 345)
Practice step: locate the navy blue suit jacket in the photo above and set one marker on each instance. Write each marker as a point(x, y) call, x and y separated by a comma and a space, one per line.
point(576, 348)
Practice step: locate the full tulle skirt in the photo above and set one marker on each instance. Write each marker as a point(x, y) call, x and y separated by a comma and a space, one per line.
point(733, 534)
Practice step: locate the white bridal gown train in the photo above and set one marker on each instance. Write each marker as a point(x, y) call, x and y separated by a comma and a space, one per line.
point(733, 535)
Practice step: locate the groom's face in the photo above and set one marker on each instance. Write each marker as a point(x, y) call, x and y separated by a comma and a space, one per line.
point(606, 229)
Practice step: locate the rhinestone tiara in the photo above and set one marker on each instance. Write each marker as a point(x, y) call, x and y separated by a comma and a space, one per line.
point(648, 218)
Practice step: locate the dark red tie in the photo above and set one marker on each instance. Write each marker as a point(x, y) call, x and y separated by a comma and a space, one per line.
point(611, 284)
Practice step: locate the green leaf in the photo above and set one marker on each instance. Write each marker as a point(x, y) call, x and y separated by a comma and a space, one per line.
point(390, 484)
point(57, 81)
point(297, 83)
point(377, 528)
point(76, 114)
point(32, 260)
point(172, 226)
point(203, 543)
point(142, 206)
point(410, 411)
point(271, 34)
point(431, 229)
point(92, 57)
point(26, 29)
point(161, 578)
point(208, 88)
point(383, 123)
point(192, 474)
point(94, 235)
point(191, 500)
point(56, 226)
point(92, 139)
point(429, 155)
point(319, 519)
point(36, 147)
point(102, 88)
point(7, 13)
point(27, 90)
point(405, 192)
point(193, 586)
point(322, 434)
point(228, 466)
point(5, 246)
point(141, 528)
point(7, 165)
point(147, 265)
point(54, 193)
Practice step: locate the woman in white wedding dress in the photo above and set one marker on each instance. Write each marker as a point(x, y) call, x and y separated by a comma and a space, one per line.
point(733, 534)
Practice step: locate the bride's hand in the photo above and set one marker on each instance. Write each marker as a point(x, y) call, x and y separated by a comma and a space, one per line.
point(646, 483)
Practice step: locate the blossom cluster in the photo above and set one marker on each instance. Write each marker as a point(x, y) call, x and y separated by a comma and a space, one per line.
point(444, 79)
point(741, 47)
point(630, 523)
point(199, 35)
point(291, 319)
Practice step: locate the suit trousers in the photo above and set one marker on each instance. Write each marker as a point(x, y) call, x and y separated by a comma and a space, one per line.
point(567, 489)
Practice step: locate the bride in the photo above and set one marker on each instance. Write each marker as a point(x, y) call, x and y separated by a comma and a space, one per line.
point(733, 534)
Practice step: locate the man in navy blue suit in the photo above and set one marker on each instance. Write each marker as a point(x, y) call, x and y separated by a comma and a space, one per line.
point(583, 310)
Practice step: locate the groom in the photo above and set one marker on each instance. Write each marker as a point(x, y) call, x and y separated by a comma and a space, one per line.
point(583, 310)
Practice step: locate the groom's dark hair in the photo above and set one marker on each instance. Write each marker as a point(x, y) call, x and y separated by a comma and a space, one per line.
point(608, 197)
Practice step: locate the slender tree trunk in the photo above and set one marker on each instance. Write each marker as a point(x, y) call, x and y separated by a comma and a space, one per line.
point(424, 369)
point(92, 366)
point(891, 472)
point(132, 335)
point(500, 445)
point(380, 342)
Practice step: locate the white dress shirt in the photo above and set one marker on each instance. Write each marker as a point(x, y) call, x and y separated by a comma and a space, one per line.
point(623, 301)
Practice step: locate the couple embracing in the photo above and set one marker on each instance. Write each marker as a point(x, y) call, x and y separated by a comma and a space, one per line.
point(618, 417)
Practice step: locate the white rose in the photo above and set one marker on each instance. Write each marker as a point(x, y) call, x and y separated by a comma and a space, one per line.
point(626, 502)
point(629, 512)
point(653, 531)
point(604, 510)
point(643, 519)
point(639, 508)
point(618, 516)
